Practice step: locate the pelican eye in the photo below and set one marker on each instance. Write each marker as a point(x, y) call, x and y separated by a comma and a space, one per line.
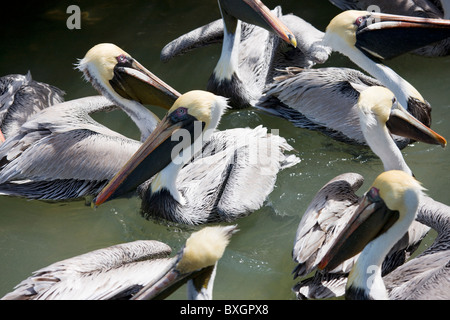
point(179, 114)
point(373, 195)
point(123, 60)
point(361, 21)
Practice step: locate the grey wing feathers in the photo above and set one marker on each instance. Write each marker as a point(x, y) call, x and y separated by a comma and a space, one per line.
point(426, 277)
point(322, 219)
point(236, 165)
point(55, 169)
point(293, 95)
point(21, 97)
point(100, 274)
point(59, 157)
point(63, 145)
point(254, 167)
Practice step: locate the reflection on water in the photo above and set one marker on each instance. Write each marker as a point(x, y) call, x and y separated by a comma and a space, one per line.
point(257, 263)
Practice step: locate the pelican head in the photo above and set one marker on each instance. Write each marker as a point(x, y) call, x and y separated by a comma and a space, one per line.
point(192, 119)
point(383, 36)
point(196, 261)
point(392, 200)
point(114, 73)
point(379, 107)
point(255, 12)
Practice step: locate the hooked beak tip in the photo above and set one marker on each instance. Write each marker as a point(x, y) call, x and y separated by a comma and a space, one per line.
point(292, 40)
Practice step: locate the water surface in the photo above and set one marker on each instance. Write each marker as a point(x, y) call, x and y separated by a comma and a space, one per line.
point(257, 263)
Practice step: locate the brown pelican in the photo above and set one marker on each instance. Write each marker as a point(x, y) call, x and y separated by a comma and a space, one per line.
point(366, 38)
point(136, 270)
point(124, 81)
point(333, 205)
point(253, 50)
point(61, 152)
point(21, 97)
point(435, 9)
point(383, 216)
point(223, 185)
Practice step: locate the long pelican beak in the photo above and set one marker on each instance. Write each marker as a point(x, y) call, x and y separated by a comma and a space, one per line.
point(402, 123)
point(2, 137)
point(371, 218)
point(134, 82)
point(171, 280)
point(385, 36)
point(153, 156)
point(255, 12)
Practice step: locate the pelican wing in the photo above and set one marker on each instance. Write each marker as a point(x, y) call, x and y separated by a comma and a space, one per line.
point(425, 277)
point(21, 97)
point(242, 165)
point(61, 151)
point(328, 212)
point(110, 273)
point(320, 99)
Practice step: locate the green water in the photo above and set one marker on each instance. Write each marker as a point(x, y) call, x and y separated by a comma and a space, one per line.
point(257, 263)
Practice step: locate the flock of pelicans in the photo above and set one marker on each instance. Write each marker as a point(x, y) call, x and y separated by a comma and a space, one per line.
point(54, 150)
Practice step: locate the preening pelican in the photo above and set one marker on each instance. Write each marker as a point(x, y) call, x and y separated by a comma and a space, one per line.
point(366, 38)
point(62, 153)
point(253, 49)
point(435, 9)
point(333, 205)
point(136, 270)
point(21, 97)
point(223, 185)
point(383, 216)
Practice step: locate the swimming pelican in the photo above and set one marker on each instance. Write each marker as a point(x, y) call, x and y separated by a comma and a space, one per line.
point(366, 38)
point(62, 153)
point(333, 205)
point(253, 49)
point(136, 270)
point(223, 185)
point(383, 216)
point(20, 97)
point(435, 9)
